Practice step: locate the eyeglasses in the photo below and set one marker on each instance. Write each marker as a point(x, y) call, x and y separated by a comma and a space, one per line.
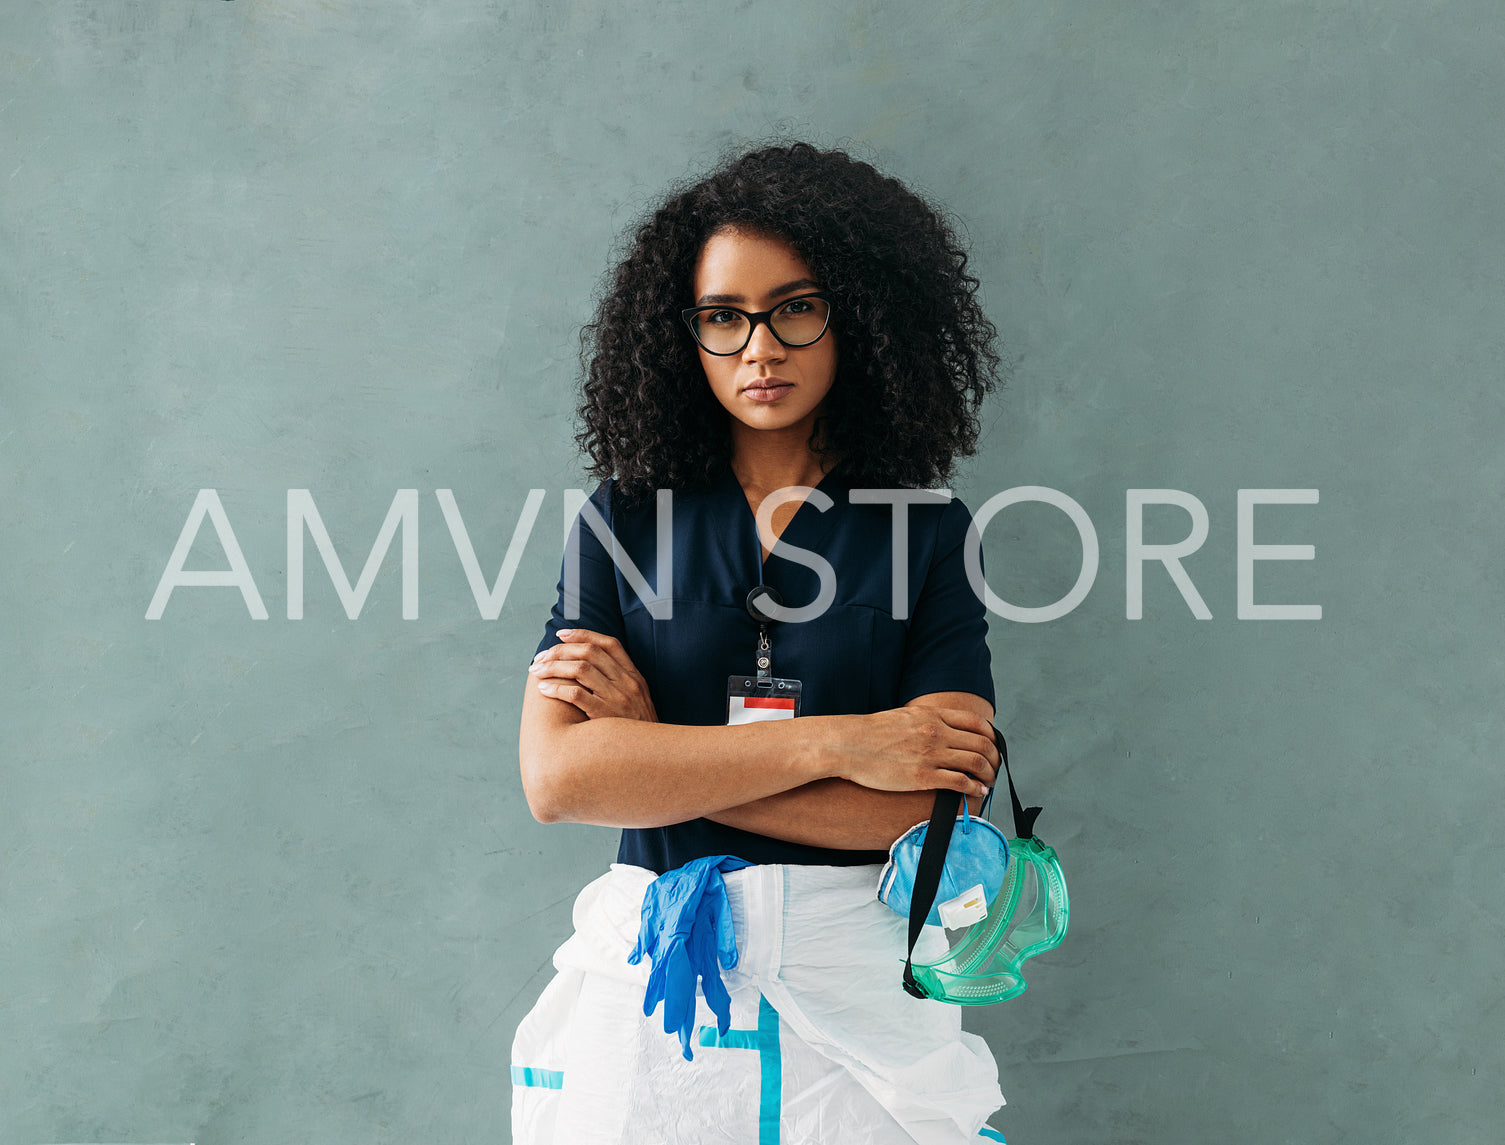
point(726, 330)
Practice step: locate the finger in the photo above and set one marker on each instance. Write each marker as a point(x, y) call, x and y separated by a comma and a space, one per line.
point(570, 650)
point(967, 754)
point(597, 668)
point(960, 781)
point(964, 720)
point(580, 697)
point(578, 671)
point(628, 699)
point(990, 733)
point(979, 743)
point(629, 687)
point(618, 697)
point(606, 652)
point(610, 647)
point(585, 636)
point(970, 764)
point(984, 769)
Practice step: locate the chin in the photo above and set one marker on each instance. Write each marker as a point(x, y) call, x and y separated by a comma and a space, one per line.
point(771, 422)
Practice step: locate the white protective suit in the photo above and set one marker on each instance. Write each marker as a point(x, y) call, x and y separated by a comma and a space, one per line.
point(825, 1046)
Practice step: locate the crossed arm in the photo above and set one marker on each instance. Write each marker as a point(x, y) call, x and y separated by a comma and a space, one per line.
point(839, 813)
point(585, 701)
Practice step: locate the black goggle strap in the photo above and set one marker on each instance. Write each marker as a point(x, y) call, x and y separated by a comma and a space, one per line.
point(1024, 817)
point(927, 879)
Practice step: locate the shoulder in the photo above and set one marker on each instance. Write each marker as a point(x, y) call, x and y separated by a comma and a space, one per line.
point(610, 500)
point(953, 521)
point(605, 495)
point(630, 516)
point(596, 510)
point(934, 516)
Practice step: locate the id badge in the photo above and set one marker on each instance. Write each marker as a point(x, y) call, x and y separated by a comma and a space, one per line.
point(749, 699)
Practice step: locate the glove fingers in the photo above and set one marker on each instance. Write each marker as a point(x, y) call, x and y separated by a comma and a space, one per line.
point(726, 939)
point(655, 987)
point(686, 930)
point(711, 986)
point(719, 1001)
point(679, 991)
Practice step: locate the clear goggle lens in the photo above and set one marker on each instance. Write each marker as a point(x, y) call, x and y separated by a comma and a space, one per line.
point(980, 964)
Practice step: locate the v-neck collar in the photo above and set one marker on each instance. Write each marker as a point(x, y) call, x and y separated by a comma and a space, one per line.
point(739, 525)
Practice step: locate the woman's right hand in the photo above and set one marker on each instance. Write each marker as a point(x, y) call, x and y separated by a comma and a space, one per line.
point(913, 749)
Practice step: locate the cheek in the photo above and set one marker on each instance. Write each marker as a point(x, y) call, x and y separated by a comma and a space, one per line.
point(833, 359)
point(716, 375)
point(833, 356)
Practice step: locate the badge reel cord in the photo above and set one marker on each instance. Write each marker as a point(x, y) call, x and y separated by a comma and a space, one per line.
point(763, 658)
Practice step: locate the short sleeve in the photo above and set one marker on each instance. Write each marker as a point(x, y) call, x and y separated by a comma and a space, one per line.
point(600, 605)
point(946, 648)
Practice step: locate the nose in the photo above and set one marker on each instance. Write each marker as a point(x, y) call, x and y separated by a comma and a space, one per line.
point(763, 345)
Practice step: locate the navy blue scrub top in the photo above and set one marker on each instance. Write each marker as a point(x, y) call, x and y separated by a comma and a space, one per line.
point(856, 657)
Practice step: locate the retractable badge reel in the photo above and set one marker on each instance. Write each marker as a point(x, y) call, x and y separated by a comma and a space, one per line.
point(761, 695)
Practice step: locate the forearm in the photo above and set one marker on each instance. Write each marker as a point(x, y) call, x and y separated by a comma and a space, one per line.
point(835, 813)
point(616, 772)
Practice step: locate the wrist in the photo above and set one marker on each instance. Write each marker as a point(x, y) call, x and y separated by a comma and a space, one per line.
point(817, 747)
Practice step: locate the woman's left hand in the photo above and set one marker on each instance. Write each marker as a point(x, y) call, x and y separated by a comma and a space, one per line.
point(594, 673)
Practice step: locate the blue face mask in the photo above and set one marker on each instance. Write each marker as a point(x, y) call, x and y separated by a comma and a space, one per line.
point(976, 862)
point(998, 903)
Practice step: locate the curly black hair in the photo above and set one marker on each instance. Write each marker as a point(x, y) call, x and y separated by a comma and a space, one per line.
point(917, 353)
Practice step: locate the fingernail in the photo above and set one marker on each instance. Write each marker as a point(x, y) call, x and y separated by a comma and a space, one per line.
point(545, 685)
point(564, 632)
point(533, 667)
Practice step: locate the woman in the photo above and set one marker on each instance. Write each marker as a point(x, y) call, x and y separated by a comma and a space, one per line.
point(793, 328)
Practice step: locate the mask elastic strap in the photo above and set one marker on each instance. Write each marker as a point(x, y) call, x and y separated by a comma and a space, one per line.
point(927, 879)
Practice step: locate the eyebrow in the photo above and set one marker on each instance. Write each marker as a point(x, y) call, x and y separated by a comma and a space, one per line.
point(797, 284)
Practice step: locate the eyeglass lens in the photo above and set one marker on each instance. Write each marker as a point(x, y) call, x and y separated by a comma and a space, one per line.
point(798, 322)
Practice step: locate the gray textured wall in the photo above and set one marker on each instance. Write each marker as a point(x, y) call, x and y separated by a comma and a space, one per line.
point(275, 881)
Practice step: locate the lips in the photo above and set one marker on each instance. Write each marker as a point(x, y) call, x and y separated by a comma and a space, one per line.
point(764, 387)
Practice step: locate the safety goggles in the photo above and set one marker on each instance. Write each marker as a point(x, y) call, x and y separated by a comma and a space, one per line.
point(988, 933)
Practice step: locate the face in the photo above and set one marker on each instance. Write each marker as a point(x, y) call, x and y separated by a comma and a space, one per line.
point(768, 388)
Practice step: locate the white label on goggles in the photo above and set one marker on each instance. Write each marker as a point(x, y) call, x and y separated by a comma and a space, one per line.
point(966, 908)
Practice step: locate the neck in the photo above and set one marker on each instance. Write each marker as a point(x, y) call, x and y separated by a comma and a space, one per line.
point(765, 463)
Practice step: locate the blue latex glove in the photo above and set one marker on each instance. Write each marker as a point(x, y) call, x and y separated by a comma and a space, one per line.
point(686, 929)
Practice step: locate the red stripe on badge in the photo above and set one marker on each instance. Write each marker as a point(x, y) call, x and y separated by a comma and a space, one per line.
point(768, 702)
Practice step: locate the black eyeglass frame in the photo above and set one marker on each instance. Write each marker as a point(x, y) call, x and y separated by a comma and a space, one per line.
point(764, 316)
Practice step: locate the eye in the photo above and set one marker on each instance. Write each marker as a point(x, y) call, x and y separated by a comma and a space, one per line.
point(719, 317)
point(798, 306)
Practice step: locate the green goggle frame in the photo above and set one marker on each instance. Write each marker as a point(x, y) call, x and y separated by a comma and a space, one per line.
point(985, 967)
point(1028, 916)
